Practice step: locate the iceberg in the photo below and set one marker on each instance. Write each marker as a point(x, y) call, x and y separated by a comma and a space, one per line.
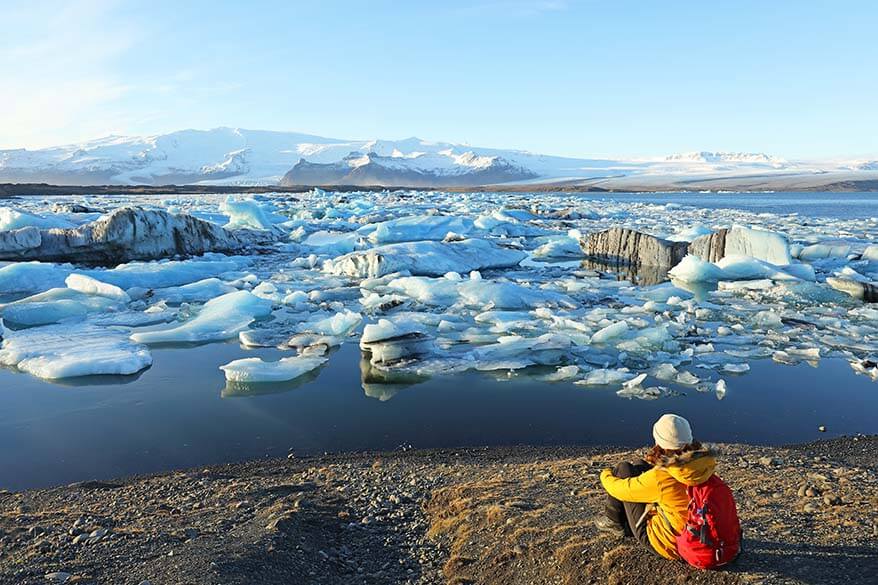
point(738, 240)
point(19, 240)
point(425, 258)
point(256, 370)
point(130, 233)
point(219, 319)
point(60, 351)
point(246, 214)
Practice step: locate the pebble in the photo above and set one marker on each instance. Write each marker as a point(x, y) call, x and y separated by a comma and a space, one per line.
point(821, 428)
point(831, 500)
point(58, 577)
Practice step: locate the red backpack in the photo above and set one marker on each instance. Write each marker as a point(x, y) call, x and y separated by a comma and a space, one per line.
point(711, 537)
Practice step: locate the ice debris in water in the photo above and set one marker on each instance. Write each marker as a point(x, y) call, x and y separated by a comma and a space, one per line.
point(474, 281)
point(58, 351)
point(258, 370)
point(220, 318)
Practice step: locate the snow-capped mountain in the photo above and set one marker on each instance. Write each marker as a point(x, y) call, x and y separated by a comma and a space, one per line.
point(235, 156)
point(727, 157)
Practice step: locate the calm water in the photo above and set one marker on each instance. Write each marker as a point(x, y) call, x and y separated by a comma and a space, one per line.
point(837, 205)
point(180, 412)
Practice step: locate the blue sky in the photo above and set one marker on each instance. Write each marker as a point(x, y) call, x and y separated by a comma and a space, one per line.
point(795, 79)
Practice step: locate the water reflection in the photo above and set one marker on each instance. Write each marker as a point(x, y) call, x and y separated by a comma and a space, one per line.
point(639, 275)
point(88, 381)
point(384, 384)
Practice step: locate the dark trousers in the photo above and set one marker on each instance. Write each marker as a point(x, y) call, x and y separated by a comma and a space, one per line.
point(628, 514)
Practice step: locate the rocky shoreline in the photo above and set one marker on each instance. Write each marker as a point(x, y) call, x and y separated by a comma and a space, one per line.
point(499, 515)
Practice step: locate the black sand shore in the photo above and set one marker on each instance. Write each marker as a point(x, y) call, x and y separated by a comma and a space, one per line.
point(507, 515)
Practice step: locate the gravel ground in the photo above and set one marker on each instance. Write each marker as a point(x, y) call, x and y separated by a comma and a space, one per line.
point(511, 515)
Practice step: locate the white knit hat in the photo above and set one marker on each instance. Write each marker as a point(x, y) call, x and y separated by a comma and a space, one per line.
point(672, 432)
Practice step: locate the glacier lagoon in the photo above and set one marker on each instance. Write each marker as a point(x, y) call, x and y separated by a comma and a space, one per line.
point(526, 343)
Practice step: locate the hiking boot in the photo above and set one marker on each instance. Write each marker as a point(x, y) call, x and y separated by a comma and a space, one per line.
point(607, 526)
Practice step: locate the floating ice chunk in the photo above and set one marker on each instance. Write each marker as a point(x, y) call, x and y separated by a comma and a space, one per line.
point(559, 247)
point(687, 379)
point(867, 367)
point(61, 351)
point(767, 319)
point(870, 253)
point(694, 269)
point(53, 306)
point(220, 318)
point(475, 292)
point(662, 292)
point(13, 219)
point(417, 228)
point(610, 332)
point(855, 288)
point(339, 325)
point(257, 370)
point(333, 243)
point(749, 268)
point(605, 377)
point(665, 372)
point(562, 374)
point(736, 368)
point(389, 341)
point(28, 277)
point(690, 233)
point(738, 240)
point(637, 391)
point(167, 273)
point(387, 329)
point(514, 352)
point(821, 251)
point(90, 286)
point(635, 381)
point(720, 389)
point(425, 258)
point(245, 213)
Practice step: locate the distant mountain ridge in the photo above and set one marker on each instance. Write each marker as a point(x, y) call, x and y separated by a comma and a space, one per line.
point(236, 156)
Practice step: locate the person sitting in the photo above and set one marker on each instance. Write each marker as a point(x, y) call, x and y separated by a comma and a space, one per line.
point(648, 499)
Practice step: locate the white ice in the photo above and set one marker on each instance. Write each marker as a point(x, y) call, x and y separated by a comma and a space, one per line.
point(258, 370)
point(426, 258)
point(13, 219)
point(59, 351)
point(220, 318)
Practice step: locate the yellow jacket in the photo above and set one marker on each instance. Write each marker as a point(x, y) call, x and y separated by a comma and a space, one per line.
point(665, 486)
